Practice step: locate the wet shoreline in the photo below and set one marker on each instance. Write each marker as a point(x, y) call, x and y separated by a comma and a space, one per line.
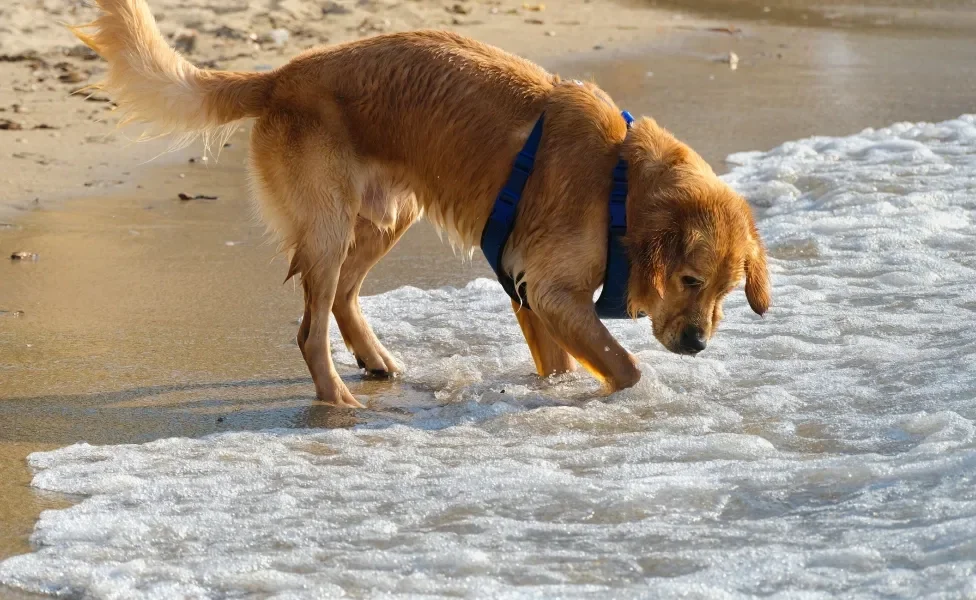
point(956, 17)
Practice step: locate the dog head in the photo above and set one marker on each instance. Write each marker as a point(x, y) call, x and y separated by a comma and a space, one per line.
point(691, 240)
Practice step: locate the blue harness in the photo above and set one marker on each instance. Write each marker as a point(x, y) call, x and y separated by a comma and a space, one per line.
point(612, 303)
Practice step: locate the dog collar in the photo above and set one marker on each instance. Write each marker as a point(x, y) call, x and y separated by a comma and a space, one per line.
point(612, 303)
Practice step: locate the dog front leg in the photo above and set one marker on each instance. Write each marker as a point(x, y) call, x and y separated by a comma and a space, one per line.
point(548, 355)
point(570, 318)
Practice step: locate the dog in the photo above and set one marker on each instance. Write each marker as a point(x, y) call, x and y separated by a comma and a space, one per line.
point(353, 143)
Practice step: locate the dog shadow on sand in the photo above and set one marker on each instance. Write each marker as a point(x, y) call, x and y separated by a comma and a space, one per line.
point(142, 414)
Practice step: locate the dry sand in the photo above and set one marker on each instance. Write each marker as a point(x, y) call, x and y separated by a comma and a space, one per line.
point(147, 317)
point(67, 145)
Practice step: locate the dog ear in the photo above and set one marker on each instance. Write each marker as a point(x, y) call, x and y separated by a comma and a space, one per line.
point(657, 162)
point(665, 254)
point(757, 276)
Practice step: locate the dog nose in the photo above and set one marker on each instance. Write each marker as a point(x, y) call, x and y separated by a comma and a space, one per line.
point(692, 340)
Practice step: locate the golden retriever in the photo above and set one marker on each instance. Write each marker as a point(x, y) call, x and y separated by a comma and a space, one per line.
point(355, 142)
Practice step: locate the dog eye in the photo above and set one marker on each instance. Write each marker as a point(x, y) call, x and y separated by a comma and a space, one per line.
point(690, 281)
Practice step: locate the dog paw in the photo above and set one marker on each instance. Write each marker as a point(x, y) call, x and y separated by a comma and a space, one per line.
point(381, 374)
point(379, 367)
point(626, 379)
point(337, 394)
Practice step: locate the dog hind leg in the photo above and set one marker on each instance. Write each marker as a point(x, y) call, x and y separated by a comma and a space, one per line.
point(312, 203)
point(371, 244)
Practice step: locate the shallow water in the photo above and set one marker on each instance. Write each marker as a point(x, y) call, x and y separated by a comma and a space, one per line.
point(880, 14)
point(825, 450)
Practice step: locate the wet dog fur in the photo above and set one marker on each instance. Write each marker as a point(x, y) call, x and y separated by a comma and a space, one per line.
point(354, 143)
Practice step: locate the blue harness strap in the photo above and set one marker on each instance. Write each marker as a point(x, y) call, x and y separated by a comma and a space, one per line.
point(612, 303)
point(502, 219)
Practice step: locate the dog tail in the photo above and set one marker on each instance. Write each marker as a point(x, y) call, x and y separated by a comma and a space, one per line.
point(153, 84)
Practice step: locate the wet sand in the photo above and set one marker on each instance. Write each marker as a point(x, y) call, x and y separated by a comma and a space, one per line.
point(146, 317)
point(957, 16)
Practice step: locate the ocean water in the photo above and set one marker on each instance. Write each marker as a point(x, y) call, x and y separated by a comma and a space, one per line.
point(826, 450)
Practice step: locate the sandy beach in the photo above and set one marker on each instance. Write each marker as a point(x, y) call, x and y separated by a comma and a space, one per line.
point(59, 145)
point(46, 126)
point(146, 317)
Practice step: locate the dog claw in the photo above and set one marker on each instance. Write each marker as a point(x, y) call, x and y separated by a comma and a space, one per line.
point(381, 373)
point(376, 373)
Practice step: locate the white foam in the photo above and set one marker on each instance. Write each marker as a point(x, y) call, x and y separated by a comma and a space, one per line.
point(826, 450)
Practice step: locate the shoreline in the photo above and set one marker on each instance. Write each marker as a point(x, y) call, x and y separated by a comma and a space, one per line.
point(943, 17)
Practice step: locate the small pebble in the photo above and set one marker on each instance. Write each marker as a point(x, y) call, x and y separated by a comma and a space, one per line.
point(278, 37)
